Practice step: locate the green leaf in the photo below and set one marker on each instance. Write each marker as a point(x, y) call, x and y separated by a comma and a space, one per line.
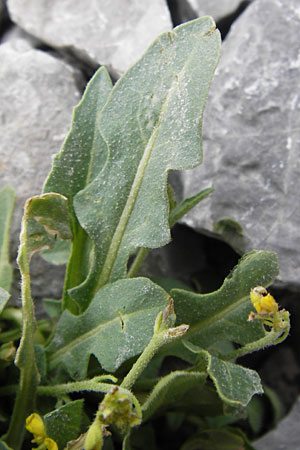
point(84, 152)
point(151, 124)
point(81, 158)
point(46, 216)
point(7, 202)
point(63, 424)
point(187, 204)
point(170, 389)
point(235, 384)
point(117, 325)
point(222, 315)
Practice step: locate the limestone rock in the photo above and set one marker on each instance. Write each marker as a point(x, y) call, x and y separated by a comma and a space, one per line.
point(38, 93)
point(252, 137)
point(189, 9)
point(286, 435)
point(113, 33)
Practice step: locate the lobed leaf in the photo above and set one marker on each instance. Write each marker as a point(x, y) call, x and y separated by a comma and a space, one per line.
point(150, 124)
point(235, 384)
point(222, 315)
point(117, 325)
point(7, 202)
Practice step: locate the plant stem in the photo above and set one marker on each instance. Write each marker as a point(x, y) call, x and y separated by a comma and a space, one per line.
point(138, 260)
point(156, 342)
point(74, 273)
point(25, 358)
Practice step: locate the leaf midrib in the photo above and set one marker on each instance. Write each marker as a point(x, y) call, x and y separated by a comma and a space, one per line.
point(55, 357)
point(216, 317)
point(120, 229)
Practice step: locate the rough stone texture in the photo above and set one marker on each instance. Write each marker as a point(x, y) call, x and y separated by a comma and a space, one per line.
point(37, 94)
point(252, 136)
point(112, 33)
point(286, 436)
point(218, 9)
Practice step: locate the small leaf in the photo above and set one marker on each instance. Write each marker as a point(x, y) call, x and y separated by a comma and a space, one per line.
point(63, 424)
point(51, 211)
point(222, 315)
point(151, 124)
point(170, 389)
point(235, 384)
point(7, 202)
point(187, 204)
point(117, 325)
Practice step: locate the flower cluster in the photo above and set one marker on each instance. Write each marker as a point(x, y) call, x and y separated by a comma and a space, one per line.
point(35, 425)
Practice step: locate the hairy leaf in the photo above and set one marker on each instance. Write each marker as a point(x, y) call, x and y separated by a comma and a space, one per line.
point(84, 152)
point(117, 325)
point(81, 158)
point(151, 124)
point(235, 384)
point(7, 202)
point(63, 424)
point(170, 388)
point(222, 315)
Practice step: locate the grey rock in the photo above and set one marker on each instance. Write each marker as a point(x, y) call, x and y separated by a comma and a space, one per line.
point(286, 436)
point(37, 94)
point(113, 33)
point(16, 33)
point(252, 137)
point(189, 9)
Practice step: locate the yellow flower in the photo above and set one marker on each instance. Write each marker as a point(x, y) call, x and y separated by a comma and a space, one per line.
point(50, 444)
point(35, 425)
point(263, 302)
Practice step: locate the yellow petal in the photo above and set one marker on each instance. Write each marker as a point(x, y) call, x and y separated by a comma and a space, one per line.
point(262, 301)
point(50, 444)
point(35, 424)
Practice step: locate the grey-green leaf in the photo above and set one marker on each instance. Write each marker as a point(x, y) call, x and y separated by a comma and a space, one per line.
point(63, 424)
point(117, 325)
point(7, 202)
point(151, 124)
point(84, 152)
point(235, 384)
point(222, 315)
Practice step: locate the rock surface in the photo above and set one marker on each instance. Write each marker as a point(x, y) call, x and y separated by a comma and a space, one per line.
point(112, 33)
point(37, 94)
point(252, 137)
point(189, 9)
point(286, 436)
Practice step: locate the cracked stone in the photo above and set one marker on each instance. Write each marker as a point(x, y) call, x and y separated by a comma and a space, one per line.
point(189, 9)
point(252, 137)
point(111, 33)
point(38, 93)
